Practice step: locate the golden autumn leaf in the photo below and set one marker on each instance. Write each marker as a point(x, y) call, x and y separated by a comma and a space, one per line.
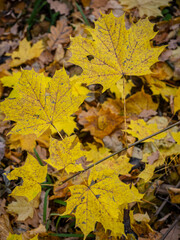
point(99, 201)
point(22, 207)
point(135, 105)
point(115, 51)
point(140, 129)
point(64, 154)
point(43, 102)
point(146, 7)
point(32, 174)
point(176, 136)
point(26, 52)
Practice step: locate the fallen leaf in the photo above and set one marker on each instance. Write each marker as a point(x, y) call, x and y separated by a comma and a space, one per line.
point(140, 129)
point(25, 142)
point(111, 53)
point(146, 7)
point(59, 34)
point(100, 122)
point(23, 208)
point(140, 217)
point(26, 52)
point(99, 201)
point(63, 155)
point(135, 105)
point(38, 107)
point(32, 174)
point(57, 6)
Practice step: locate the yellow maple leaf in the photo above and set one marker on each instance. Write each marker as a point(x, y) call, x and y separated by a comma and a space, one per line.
point(63, 154)
point(146, 7)
point(32, 174)
point(115, 51)
point(22, 207)
point(26, 52)
point(176, 136)
point(43, 102)
point(99, 201)
point(140, 129)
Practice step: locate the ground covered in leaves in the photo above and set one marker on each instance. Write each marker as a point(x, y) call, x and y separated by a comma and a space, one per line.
point(79, 81)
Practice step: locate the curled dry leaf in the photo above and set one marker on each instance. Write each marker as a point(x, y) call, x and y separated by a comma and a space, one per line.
point(59, 34)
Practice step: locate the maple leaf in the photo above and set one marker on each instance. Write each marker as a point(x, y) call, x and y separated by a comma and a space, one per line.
point(64, 154)
point(59, 34)
point(99, 201)
point(115, 51)
point(140, 129)
point(146, 7)
point(32, 174)
point(100, 121)
point(135, 105)
point(26, 52)
point(22, 207)
point(43, 102)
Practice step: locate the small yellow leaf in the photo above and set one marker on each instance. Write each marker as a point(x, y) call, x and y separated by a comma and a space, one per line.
point(135, 105)
point(148, 172)
point(19, 237)
point(25, 142)
point(63, 155)
point(26, 52)
point(14, 237)
point(140, 129)
point(32, 174)
point(142, 217)
point(115, 51)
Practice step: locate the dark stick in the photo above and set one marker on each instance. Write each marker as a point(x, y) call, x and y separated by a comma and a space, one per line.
point(125, 148)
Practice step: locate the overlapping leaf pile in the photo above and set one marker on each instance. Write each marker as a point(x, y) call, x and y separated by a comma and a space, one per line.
point(38, 103)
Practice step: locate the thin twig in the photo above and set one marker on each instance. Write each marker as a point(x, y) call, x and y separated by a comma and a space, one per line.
point(125, 148)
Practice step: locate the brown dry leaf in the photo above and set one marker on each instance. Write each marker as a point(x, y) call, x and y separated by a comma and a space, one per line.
point(140, 101)
point(5, 227)
point(30, 234)
point(58, 6)
point(23, 207)
point(100, 121)
point(59, 34)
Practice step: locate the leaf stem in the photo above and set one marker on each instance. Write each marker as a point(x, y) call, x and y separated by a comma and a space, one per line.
point(125, 148)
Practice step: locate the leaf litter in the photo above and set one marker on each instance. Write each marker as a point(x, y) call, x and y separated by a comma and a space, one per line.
point(101, 56)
